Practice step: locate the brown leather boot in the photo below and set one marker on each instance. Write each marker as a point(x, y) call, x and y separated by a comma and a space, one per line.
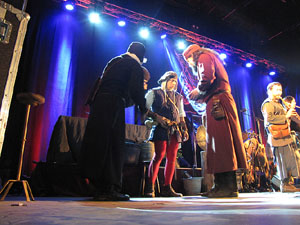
point(287, 185)
point(168, 191)
point(149, 190)
point(217, 182)
point(227, 186)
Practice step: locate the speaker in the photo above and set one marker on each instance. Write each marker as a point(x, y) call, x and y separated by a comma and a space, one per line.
point(13, 26)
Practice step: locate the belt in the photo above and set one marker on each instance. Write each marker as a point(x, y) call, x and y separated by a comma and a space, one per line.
point(216, 93)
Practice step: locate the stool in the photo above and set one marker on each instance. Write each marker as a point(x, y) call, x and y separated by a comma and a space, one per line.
point(145, 165)
point(29, 99)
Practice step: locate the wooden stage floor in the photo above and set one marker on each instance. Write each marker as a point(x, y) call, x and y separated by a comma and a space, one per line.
point(248, 208)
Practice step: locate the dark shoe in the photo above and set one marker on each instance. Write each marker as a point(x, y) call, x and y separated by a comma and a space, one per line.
point(111, 196)
point(168, 191)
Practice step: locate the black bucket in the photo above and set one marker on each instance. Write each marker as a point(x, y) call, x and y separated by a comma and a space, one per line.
point(132, 153)
point(147, 151)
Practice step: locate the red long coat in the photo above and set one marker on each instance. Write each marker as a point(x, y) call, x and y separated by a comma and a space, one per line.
point(225, 149)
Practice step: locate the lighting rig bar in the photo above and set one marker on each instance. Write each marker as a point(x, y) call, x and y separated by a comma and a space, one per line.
point(83, 3)
point(137, 18)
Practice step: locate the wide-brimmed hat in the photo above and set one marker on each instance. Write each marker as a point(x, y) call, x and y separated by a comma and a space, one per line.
point(167, 76)
point(188, 52)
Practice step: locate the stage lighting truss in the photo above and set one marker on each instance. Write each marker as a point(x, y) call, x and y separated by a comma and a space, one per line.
point(138, 18)
point(83, 3)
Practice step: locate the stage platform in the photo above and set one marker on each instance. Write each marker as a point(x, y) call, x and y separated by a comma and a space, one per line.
point(249, 208)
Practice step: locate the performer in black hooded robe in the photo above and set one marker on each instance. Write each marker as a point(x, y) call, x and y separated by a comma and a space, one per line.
point(121, 84)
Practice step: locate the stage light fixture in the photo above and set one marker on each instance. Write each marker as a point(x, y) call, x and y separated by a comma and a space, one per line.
point(223, 56)
point(272, 73)
point(69, 6)
point(248, 64)
point(122, 23)
point(163, 36)
point(144, 32)
point(181, 45)
point(94, 17)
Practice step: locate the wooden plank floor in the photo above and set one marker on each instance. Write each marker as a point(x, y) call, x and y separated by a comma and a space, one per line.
point(248, 208)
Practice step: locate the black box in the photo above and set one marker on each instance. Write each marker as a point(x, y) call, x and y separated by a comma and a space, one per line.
point(13, 26)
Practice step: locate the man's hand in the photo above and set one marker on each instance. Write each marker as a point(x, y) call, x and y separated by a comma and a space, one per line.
point(194, 95)
point(185, 136)
point(150, 123)
point(291, 112)
point(184, 131)
point(164, 122)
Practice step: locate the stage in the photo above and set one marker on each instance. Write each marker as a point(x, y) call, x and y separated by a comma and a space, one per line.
point(249, 208)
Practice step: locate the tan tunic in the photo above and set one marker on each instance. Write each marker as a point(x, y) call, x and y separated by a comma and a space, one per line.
point(274, 113)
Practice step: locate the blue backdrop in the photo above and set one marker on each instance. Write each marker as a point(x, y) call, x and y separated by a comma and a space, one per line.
point(64, 53)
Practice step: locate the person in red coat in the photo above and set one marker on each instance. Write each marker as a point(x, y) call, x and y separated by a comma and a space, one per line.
point(225, 150)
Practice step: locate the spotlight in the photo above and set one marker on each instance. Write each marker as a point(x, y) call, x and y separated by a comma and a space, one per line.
point(223, 56)
point(248, 65)
point(272, 73)
point(181, 45)
point(94, 17)
point(69, 6)
point(122, 23)
point(144, 33)
point(163, 36)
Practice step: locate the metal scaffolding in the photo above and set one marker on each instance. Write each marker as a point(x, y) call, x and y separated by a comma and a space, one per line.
point(192, 37)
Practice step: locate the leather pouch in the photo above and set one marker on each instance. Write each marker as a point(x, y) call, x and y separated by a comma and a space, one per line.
point(217, 110)
point(279, 131)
